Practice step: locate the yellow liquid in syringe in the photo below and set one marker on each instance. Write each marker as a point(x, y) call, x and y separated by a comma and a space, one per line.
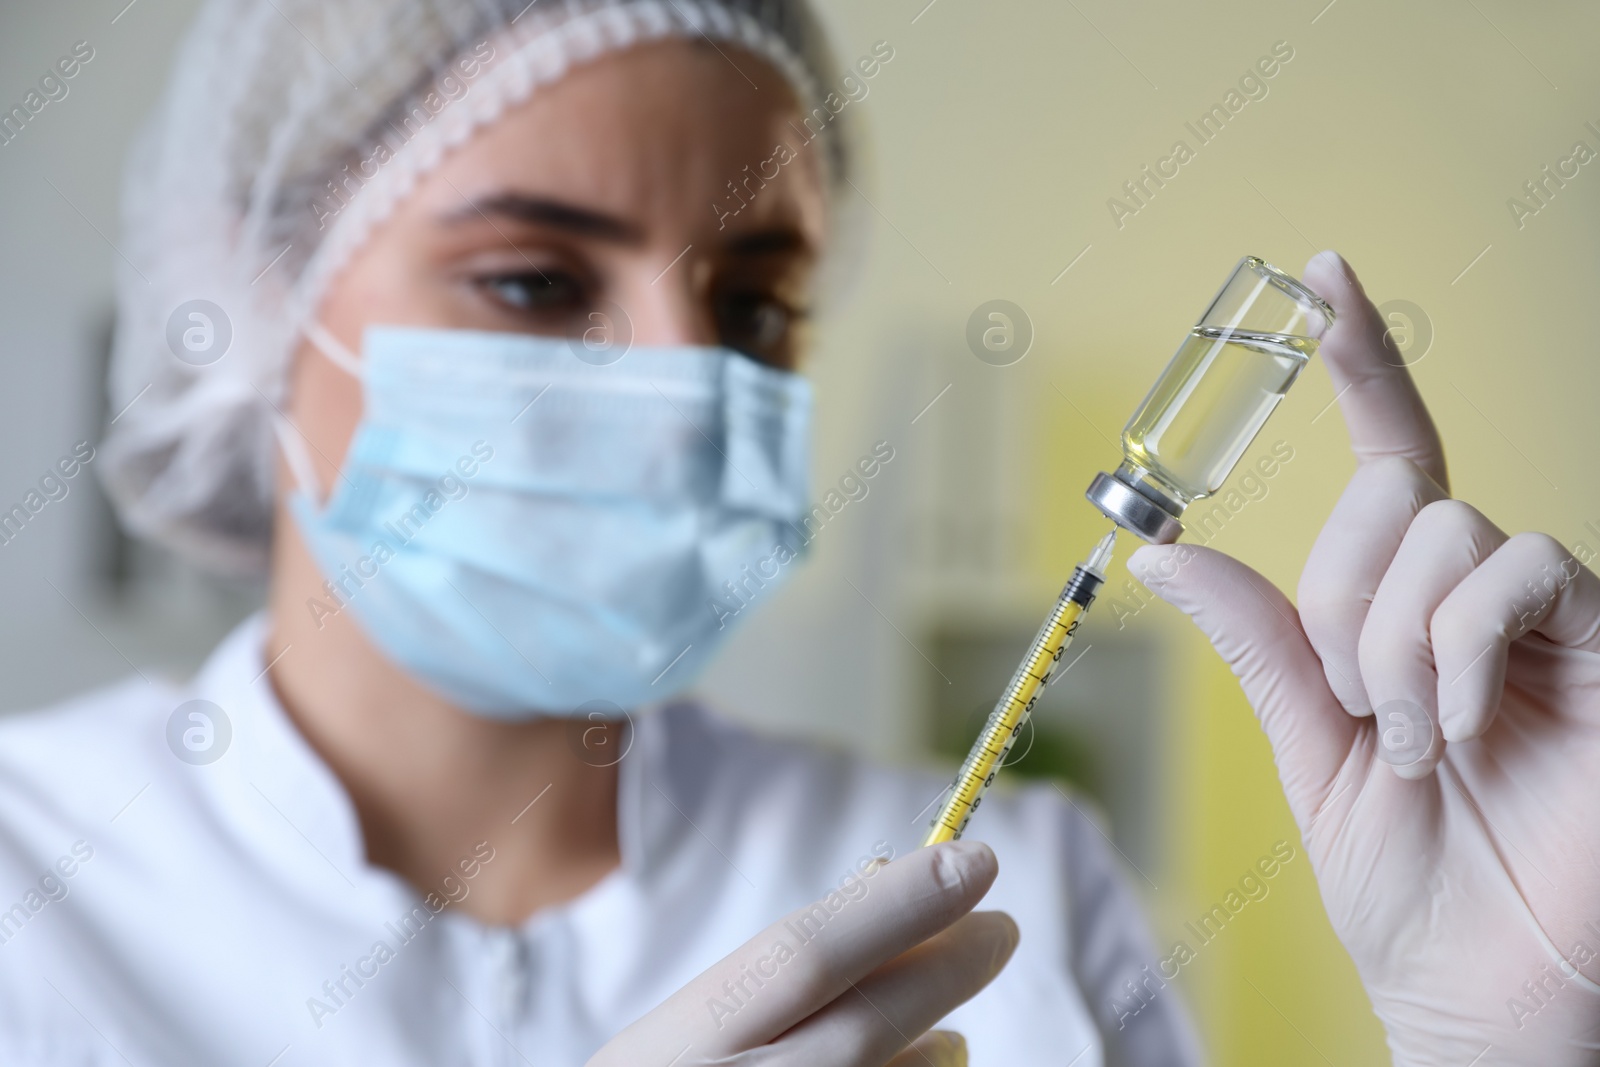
point(1210, 403)
point(1000, 730)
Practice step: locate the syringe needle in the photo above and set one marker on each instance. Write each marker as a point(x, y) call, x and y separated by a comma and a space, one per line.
point(1000, 730)
point(1101, 556)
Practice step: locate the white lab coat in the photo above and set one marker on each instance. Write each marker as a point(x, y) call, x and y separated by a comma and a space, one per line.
point(224, 914)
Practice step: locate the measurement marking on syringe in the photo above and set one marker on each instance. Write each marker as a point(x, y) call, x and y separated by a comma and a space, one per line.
point(1004, 724)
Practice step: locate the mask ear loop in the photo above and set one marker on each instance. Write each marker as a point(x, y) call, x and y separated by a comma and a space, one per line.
point(296, 455)
point(290, 441)
point(332, 348)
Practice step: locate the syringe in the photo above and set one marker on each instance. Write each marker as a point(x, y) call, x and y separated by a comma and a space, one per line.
point(1000, 730)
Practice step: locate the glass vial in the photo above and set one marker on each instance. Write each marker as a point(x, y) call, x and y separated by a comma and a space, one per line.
point(1208, 405)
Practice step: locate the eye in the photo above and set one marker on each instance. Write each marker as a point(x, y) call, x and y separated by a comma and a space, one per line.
point(758, 324)
point(546, 292)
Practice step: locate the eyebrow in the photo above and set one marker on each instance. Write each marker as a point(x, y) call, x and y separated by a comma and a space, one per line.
point(769, 242)
point(543, 211)
point(584, 222)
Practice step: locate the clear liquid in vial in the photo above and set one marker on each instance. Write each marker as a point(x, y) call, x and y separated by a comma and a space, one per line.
point(1209, 404)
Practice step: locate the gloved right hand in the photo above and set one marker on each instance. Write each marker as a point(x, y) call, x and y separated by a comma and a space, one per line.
point(1434, 709)
point(862, 991)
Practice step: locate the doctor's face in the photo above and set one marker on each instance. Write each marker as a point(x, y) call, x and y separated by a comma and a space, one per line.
point(599, 208)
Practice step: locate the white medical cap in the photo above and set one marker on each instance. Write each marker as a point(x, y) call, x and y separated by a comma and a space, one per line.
point(291, 128)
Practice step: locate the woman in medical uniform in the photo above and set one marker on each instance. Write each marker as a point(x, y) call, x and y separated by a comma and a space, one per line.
point(476, 326)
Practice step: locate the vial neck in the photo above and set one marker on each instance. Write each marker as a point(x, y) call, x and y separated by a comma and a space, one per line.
point(1147, 484)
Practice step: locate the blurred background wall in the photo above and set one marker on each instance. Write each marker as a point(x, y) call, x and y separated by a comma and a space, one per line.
point(1001, 134)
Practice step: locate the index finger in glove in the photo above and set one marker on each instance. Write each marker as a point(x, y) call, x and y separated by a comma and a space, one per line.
point(805, 960)
point(1381, 406)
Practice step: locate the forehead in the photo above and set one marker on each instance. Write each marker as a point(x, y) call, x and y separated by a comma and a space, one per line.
point(660, 134)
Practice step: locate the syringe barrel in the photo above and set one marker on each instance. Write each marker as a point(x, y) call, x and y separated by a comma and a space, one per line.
point(1004, 723)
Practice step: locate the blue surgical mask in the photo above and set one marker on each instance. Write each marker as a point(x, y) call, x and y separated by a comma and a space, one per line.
point(528, 533)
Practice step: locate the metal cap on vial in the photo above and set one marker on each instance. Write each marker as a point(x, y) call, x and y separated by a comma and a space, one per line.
point(1133, 510)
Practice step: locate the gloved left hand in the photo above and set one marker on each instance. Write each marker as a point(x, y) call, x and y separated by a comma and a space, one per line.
point(851, 981)
point(1434, 710)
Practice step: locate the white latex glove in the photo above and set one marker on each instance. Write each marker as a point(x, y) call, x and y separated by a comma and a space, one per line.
point(862, 992)
point(1454, 833)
